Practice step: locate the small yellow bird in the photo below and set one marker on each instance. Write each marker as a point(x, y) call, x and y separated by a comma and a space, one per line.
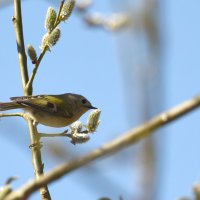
point(51, 110)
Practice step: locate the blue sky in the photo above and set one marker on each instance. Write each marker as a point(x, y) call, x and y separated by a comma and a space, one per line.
point(86, 61)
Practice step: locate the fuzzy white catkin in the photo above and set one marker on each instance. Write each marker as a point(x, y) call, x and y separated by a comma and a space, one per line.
point(67, 10)
point(79, 138)
point(77, 127)
point(51, 39)
point(50, 19)
point(93, 120)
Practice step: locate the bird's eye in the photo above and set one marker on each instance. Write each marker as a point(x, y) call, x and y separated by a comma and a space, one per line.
point(83, 101)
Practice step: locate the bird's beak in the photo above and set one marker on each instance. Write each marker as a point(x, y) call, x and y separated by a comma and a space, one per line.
point(92, 107)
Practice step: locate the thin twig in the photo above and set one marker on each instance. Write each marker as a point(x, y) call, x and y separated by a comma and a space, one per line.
point(29, 85)
point(12, 115)
point(35, 143)
point(63, 134)
point(116, 145)
point(57, 22)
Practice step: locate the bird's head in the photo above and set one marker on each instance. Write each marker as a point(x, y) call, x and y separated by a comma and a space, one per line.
point(80, 103)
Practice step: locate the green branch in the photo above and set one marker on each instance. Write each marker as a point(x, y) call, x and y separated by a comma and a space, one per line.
point(17, 21)
point(57, 22)
point(35, 144)
point(50, 135)
point(12, 115)
point(29, 85)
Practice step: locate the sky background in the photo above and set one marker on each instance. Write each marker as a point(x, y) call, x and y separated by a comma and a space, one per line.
point(86, 61)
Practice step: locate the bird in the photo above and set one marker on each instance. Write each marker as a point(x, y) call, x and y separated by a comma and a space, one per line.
point(51, 110)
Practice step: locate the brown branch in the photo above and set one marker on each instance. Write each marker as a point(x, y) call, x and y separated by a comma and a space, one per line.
point(35, 144)
point(196, 190)
point(118, 144)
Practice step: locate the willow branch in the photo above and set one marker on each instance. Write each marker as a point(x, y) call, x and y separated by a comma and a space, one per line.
point(29, 85)
point(57, 22)
point(37, 159)
point(35, 143)
point(127, 139)
point(17, 21)
point(63, 134)
point(12, 115)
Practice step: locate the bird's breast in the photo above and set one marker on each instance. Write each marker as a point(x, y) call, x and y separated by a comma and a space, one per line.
point(50, 119)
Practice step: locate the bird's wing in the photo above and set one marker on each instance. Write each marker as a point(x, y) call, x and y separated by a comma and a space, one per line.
point(43, 103)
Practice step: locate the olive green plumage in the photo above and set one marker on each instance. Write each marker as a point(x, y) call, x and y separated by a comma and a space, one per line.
point(51, 110)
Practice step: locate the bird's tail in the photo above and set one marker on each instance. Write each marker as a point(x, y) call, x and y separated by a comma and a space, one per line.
point(9, 106)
